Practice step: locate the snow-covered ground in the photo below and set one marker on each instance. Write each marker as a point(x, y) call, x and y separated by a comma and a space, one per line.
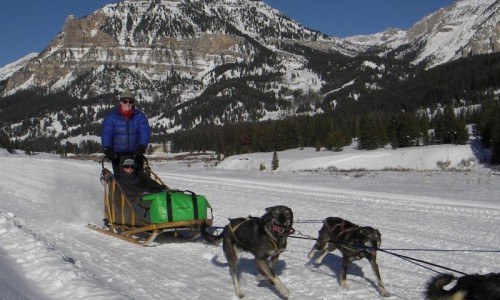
point(449, 218)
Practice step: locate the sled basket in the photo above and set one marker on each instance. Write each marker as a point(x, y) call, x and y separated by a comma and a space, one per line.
point(141, 219)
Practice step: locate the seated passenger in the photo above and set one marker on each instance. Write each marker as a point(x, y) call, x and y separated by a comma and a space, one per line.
point(134, 182)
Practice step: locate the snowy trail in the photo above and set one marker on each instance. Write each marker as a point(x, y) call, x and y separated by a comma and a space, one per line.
point(45, 204)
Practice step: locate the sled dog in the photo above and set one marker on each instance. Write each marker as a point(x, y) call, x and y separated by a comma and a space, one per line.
point(264, 237)
point(467, 287)
point(354, 242)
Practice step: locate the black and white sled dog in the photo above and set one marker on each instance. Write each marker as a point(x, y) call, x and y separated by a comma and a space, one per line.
point(467, 287)
point(354, 242)
point(264, 237)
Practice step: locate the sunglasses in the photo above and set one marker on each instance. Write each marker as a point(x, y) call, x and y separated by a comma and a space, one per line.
point(127, 101)
point(129, 167)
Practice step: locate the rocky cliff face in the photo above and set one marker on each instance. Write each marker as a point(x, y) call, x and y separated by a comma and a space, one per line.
point(155, 38)
point(467, 27)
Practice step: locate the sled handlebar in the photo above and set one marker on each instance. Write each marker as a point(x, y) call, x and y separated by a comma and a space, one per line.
point(146, 162)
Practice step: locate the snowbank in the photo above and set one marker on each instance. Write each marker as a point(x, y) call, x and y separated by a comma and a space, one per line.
point(416, 158)
point(4, 152)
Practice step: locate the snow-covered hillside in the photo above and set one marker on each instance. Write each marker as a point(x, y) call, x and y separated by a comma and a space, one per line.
point(447, 218)
point(7, 70)
point(468, 27)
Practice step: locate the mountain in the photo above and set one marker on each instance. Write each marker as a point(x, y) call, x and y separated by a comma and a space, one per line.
point(465, 28)
point(211, 62)
point(154, 41)
point(460, 30)
point(9, 69)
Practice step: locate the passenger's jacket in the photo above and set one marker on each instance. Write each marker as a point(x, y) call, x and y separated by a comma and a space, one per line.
point(122, 135)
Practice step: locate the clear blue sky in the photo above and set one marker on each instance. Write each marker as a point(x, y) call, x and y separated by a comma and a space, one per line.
point(28, 26)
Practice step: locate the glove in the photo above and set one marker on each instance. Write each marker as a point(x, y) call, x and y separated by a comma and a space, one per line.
point(110, 154)
point(139, 151)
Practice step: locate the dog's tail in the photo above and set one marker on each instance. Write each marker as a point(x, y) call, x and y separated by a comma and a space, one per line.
point(435, 289)
point(211, 238)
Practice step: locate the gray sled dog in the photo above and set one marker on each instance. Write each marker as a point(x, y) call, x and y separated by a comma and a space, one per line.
point(468, 287)
point(337, 233)
point(264, 237)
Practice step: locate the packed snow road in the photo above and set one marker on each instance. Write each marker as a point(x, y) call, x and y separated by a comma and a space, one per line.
point(46, 202)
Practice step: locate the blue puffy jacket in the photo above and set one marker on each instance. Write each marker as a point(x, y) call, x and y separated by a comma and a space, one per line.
point(122, 135)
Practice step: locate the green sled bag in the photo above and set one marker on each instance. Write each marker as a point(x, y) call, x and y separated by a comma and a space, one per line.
point(176, 205)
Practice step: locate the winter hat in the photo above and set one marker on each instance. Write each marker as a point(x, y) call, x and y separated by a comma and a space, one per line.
point(129, 162)
point(127, 95)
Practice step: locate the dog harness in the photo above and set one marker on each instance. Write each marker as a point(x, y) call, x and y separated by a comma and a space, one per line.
point(268, 235)
point(345, 230)
point(233, 229)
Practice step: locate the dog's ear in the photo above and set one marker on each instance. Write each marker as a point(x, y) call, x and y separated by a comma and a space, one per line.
point(377, 238)
point(291, 213)
point(267, 214)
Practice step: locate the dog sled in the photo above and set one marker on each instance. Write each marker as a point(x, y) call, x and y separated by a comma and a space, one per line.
point(140, 220)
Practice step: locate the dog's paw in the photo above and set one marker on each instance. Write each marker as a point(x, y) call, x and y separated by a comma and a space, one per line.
point(283, 291)
point(239, 294)
point(385, 293)
point(343, 284)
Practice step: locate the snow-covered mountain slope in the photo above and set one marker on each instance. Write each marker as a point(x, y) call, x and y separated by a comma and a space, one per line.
point(158, 40)
point(445, 218)
point(467, 27)
point(390, 38)
point(152, 39)
point(7, 70)
point(194, 36)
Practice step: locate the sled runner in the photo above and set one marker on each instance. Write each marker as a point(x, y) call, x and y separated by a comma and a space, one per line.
point(140, 219)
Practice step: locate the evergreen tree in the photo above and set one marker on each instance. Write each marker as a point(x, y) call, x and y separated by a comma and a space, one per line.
point(317, 145)
point(366, 134)
point(461, 132)
point(336, 140)
point(5, 141)
point(423, 126)
point(439, 129)
point(371, 132)
point(450, 129)
point(495, 139)
point(406, 130)
point(275, 162)
point(382, 138)
point(448, 125)
point(394, 139)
